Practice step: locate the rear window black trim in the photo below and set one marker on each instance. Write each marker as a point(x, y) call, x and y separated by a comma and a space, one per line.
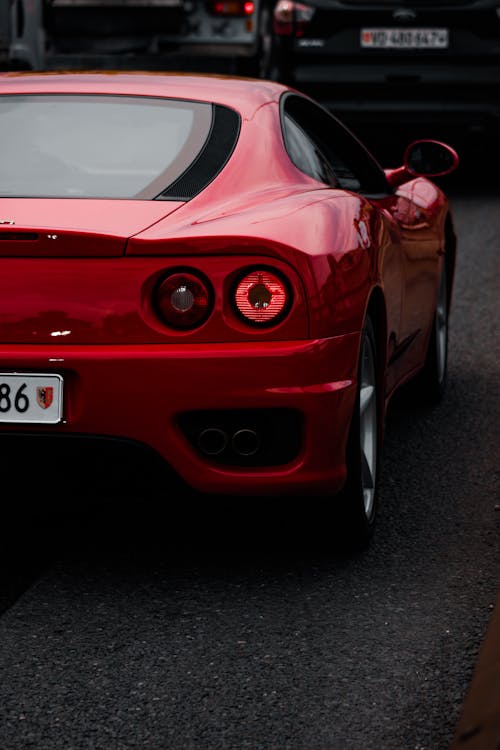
point(215, 154)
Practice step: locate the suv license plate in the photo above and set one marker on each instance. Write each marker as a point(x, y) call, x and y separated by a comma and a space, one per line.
point(30, 398)
point(404, 38)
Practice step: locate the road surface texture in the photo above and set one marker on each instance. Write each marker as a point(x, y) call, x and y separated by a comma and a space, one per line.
point(212, 627)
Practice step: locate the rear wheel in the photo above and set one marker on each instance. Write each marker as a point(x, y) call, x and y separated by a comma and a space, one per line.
point(359, 497)
point(430, 382)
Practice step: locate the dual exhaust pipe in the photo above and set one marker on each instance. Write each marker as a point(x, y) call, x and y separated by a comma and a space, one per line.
point(245, 442)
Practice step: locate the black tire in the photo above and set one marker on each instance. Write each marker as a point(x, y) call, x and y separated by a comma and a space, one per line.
point(429, 385)
point(359, 498)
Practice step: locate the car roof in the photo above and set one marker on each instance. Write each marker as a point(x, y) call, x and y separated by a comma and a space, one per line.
point(243, 94)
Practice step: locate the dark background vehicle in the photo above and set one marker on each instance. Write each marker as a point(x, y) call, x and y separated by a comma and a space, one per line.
point(212, 35)
point(426, 67)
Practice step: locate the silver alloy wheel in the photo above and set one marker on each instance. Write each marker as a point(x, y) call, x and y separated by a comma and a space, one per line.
point(368, 437)
point(441, 326)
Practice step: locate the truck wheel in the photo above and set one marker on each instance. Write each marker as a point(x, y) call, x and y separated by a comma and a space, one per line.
point(262, 64)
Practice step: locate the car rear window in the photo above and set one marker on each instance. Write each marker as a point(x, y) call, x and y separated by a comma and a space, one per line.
point(106, 146)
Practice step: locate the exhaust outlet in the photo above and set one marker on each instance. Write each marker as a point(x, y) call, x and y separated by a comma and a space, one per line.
point(212, 441)
point(245, 442)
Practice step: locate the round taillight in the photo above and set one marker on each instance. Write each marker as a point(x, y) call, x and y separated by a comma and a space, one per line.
point(183, 300)
point(262, 297)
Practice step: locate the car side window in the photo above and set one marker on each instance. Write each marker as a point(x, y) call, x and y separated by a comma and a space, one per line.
point(351, 165)
point(305, 154)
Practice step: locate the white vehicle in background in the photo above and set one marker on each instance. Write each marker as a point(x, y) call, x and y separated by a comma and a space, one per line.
point(231, 36)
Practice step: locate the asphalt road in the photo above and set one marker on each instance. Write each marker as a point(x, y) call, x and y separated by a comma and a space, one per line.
point(228, 628)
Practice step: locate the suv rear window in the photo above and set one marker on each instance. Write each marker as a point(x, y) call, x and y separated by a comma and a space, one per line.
point(82, 146)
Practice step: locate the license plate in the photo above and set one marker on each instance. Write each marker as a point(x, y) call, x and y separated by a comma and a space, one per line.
point(404, 38)
point(30, 398)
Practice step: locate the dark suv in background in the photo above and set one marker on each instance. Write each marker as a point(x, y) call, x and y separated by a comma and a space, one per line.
point(432, 66)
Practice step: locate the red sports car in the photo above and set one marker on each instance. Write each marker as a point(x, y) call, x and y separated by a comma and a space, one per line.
point(217, 269)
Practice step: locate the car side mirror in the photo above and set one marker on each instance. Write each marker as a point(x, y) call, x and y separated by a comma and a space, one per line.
point(424, 158)
point(430, 159)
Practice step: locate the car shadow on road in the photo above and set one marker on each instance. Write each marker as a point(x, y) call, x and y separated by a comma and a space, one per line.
point(132, 515)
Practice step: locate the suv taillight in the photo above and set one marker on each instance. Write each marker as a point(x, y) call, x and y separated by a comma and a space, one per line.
point(232, 7)
point(291, 18)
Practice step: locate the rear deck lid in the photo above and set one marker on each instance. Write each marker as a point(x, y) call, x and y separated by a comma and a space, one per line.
point(47, 227)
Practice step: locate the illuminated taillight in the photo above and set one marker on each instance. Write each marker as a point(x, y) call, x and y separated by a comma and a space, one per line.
point(232, 7)
point(262, 297)
point(183, 300)
point(291, 18)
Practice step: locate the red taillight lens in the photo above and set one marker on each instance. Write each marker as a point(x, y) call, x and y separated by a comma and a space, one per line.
point(183, 300)
point(232, 7)
point(262, 297)
point(291, 18)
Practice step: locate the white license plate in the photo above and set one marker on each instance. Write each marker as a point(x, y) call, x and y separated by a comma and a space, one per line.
point(404, 38)
point(30, 398)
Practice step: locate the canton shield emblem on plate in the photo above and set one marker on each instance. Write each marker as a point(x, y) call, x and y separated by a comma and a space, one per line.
point(44, 396)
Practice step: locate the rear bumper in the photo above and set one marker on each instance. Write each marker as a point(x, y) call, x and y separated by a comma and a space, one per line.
point(308, 69)
point(436, 92)
point(454, 116)
point(141, 393)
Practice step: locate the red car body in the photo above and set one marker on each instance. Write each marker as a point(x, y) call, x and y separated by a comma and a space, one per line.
point(78, 277)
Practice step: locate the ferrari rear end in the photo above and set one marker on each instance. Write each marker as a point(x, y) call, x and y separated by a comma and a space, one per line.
point(122, 348)
point(124, 315)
